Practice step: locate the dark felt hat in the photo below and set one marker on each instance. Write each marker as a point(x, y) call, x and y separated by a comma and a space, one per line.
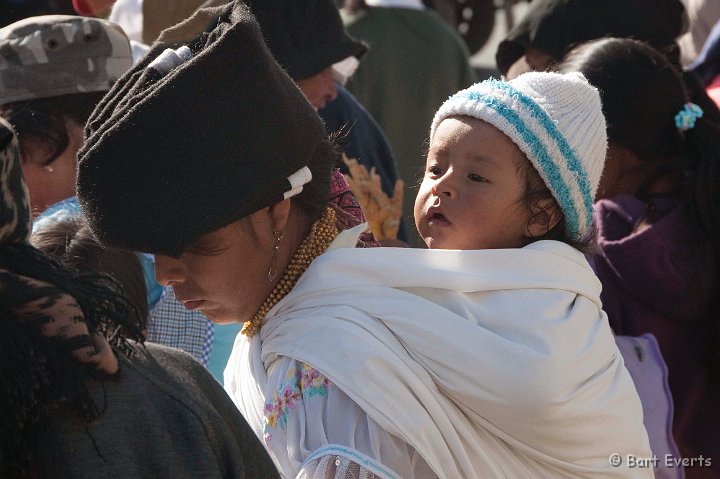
point(176, 151)
point(555, 26)
point(306, 36)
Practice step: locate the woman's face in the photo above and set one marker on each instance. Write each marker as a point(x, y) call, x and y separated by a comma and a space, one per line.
point(224, 273)
point(319, 89)
point(50, 182)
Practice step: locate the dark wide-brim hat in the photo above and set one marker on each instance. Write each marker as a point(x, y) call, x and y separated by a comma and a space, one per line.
point(556, 26)
point(306, 36)
point(172, 156)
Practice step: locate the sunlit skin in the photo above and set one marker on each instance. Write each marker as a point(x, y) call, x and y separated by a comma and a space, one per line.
point(470, 195)
point(320, 88)
point(224, 273)
point(50, 182)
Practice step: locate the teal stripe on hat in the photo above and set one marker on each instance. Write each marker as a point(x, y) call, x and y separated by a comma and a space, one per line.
point(542, 116)
point(544, 160)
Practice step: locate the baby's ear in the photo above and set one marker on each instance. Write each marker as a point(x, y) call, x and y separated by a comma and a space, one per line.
point(545, 216)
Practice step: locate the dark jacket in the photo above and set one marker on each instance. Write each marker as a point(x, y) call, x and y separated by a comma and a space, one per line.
point(165, 417)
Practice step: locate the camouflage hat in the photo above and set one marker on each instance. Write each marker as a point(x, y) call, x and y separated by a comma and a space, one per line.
point(53, 55)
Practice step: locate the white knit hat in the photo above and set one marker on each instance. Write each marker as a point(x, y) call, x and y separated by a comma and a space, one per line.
point(556, 120)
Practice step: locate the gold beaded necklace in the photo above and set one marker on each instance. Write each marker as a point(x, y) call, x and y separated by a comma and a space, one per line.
point(322, 233)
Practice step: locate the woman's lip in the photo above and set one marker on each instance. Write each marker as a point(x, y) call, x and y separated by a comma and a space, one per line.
point(193, 304)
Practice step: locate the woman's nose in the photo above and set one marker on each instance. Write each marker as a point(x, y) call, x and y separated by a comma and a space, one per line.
point(168, 270)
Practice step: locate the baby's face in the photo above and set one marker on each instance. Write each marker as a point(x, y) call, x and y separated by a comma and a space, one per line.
point(470, 196)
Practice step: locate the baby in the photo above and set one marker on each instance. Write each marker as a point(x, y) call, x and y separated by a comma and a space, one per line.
point(513, 163)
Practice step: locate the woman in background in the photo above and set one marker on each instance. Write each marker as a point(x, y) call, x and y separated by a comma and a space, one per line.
point(658, 218)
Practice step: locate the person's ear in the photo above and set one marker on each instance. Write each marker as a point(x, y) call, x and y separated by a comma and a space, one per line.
point(265, 222)
point(279, 214)
point(546, 214)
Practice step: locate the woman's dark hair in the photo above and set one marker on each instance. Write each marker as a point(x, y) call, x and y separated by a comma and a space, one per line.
point(641, 93)
point(39, 373)
point(69, 239)
point(44, 119)
point(536, 193)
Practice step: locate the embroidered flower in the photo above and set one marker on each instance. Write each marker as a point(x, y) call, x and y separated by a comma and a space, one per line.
point(267, 437)
point(312, 383)
point(277, 412)
point(303, 381)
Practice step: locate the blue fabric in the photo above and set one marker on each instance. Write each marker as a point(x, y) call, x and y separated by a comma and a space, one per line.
point(69, 206)
point(363, 140)
point(172, 324)
point(224, 338)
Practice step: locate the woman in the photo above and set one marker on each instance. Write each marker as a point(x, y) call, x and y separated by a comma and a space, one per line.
point(75, 404)
point(238, 178)
point(57, 69)
point(659, 228)
point(551, 28)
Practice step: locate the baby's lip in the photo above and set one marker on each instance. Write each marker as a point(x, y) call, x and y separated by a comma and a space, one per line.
point(436, 217)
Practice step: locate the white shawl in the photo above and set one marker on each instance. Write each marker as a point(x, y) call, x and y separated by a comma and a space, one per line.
point(493, 363)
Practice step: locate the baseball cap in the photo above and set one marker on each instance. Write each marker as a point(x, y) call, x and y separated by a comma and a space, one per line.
point(53, 55)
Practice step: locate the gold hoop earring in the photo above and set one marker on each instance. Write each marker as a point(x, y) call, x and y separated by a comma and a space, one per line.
point(272, 272)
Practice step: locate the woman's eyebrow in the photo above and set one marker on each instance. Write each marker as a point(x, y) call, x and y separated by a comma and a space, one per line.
point(206, 246)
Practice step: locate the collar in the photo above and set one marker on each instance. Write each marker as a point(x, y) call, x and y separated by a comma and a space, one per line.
point(348, 238)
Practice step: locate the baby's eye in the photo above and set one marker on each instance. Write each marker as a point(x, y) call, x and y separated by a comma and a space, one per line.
point(476, 177)
point(434, 170)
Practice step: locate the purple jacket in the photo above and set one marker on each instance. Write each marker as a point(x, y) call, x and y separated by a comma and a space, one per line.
point(657, 279)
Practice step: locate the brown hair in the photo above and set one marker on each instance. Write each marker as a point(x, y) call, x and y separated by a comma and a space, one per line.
point(536, 194)
point(69, 239)
point(44, 119)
